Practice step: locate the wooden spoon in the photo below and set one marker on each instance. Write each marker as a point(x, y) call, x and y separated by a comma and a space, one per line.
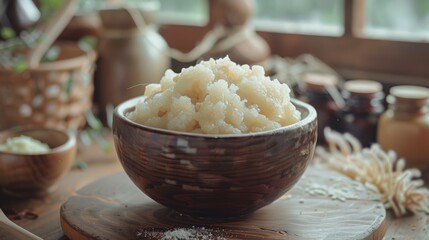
point(50, 30)
point(18, 229)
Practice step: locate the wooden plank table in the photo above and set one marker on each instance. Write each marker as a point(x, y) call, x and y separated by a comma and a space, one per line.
point(100, 164)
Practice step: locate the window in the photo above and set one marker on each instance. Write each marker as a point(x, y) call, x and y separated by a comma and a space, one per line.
point(186, 12)
point(397, 19)
point(383, 40)
point(382, 19)
point(300, 16)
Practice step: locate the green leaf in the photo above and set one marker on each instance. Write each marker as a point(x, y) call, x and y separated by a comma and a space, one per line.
point(87, 43)
point(105, 146)
point(79, 164)
point(20, 66)
point(85, 138)
point(52, 4)
point(52, 54)
point(7, 33)
point(93, 121)
point(67, 86)
point(48, 8)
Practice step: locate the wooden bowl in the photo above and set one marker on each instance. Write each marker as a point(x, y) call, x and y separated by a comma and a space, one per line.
point(214, 176)
point(36, 174)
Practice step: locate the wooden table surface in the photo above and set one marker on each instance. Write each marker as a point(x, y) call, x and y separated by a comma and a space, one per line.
point(100, 163)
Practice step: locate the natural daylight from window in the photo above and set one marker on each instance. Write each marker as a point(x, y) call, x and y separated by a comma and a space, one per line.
point(385, 19)
point(382, 19)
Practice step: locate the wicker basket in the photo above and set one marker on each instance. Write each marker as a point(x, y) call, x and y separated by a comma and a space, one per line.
point(55, 95)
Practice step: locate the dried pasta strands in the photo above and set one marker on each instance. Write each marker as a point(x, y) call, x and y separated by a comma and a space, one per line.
point(399, 188)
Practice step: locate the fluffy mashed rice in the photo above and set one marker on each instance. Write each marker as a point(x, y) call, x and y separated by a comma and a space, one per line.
point(216, 97)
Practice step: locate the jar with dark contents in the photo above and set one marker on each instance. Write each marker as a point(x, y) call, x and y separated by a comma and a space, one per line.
point(315, 92)
point(362, 109)
point(404, 126)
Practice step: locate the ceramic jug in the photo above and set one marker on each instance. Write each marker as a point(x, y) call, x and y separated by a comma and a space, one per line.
point(132, 54)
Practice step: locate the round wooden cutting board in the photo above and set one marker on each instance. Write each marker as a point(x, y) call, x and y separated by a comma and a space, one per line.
point(323, 205)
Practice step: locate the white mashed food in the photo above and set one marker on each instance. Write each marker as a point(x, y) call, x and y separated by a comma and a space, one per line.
point(24, 145)
point(216, 97)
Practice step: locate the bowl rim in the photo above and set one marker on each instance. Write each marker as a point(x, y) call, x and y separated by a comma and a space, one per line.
point(120, 110)
point(70, 143)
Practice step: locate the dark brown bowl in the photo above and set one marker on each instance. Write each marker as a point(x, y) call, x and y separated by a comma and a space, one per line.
point(36, 174)
point(214, 175)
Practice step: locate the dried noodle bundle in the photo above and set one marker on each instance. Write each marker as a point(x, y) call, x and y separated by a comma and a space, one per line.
point(381, 171)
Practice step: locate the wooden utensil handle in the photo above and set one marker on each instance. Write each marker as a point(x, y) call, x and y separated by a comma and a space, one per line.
point(17, 229)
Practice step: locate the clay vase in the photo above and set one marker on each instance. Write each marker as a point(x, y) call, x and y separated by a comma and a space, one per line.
point(235, 16)
point(132, 55)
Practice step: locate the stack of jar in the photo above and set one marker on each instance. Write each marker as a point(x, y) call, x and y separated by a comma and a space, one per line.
point(403, 127)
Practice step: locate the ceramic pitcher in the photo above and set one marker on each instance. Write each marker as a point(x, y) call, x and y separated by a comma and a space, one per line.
point(132, 54)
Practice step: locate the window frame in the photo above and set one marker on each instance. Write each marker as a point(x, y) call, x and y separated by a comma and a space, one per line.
point(352, 54)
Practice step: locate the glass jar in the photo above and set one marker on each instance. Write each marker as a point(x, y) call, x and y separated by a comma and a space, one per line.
point(363, 107)
point(404, 127)
point(316, 93)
